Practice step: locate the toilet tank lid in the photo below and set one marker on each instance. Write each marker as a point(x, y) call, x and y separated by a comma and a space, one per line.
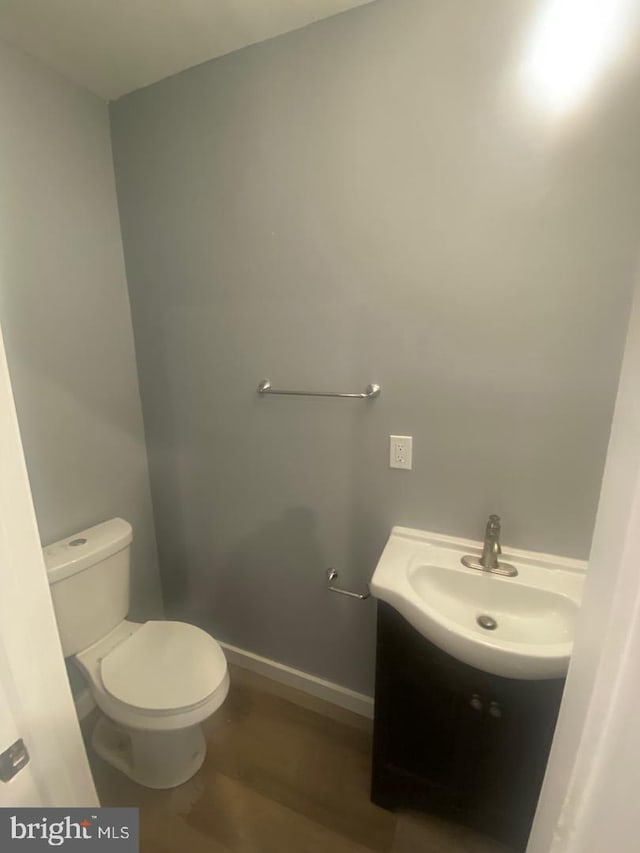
point(86, 548)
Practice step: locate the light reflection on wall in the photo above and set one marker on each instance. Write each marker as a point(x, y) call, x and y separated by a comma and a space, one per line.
point(572, 44)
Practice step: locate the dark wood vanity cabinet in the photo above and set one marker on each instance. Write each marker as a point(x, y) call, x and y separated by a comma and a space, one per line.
point(456, 741)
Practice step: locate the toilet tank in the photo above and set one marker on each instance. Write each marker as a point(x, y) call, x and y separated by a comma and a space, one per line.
point(89, 578)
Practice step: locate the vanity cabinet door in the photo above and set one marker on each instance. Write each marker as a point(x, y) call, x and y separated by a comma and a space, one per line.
point(520, 718)
point(454, 740)
point(428, 721)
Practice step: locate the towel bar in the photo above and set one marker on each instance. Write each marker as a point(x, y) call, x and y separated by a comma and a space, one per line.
point(370, 391)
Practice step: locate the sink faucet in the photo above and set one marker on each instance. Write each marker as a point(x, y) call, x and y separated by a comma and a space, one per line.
point(491, 551)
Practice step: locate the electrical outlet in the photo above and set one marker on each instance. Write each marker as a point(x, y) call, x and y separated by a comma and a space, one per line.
point(401, 451)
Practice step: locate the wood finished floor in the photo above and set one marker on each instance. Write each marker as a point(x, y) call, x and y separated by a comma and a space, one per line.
point(281, 776)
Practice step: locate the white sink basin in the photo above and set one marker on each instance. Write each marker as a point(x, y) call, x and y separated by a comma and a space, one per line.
point(421, 576)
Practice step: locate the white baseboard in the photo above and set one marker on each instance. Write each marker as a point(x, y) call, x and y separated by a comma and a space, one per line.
point(358, 703)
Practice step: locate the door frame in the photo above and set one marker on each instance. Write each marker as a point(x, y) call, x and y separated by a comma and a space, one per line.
point(588, 799)
point(33, 670)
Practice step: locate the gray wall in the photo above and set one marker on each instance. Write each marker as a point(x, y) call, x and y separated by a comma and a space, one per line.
point(371, 198)
point(65, 314)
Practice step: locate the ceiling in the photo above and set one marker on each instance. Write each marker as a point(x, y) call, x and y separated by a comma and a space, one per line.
point(112, 47)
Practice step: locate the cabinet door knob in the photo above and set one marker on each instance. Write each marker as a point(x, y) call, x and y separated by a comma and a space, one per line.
point(495, 710)
point(476, 702)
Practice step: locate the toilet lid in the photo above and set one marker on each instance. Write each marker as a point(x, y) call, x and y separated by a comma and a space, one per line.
point(164, 666)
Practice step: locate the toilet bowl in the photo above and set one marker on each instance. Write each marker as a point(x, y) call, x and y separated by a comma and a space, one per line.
point(154, 682)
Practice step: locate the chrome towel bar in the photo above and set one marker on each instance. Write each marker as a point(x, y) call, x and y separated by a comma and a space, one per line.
point(370, 392)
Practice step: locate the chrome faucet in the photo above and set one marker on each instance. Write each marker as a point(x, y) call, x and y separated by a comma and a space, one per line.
point(491, 551)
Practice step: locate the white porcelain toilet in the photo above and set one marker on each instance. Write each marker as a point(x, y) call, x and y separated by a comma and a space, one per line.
point(154, 682)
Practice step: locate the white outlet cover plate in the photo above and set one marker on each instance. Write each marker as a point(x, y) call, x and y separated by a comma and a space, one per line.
point(401, 451)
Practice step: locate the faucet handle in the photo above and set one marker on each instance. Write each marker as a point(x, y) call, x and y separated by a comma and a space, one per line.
point(493, 523)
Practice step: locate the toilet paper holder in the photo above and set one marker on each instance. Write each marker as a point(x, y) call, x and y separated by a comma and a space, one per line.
point(332, 574)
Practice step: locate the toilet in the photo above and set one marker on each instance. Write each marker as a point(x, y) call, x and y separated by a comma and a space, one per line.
point(154, 682)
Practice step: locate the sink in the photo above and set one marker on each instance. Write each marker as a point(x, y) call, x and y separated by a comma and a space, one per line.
point(516, 627)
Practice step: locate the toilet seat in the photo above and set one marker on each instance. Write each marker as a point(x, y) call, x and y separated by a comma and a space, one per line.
point(199, 656)
point(164, 667)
